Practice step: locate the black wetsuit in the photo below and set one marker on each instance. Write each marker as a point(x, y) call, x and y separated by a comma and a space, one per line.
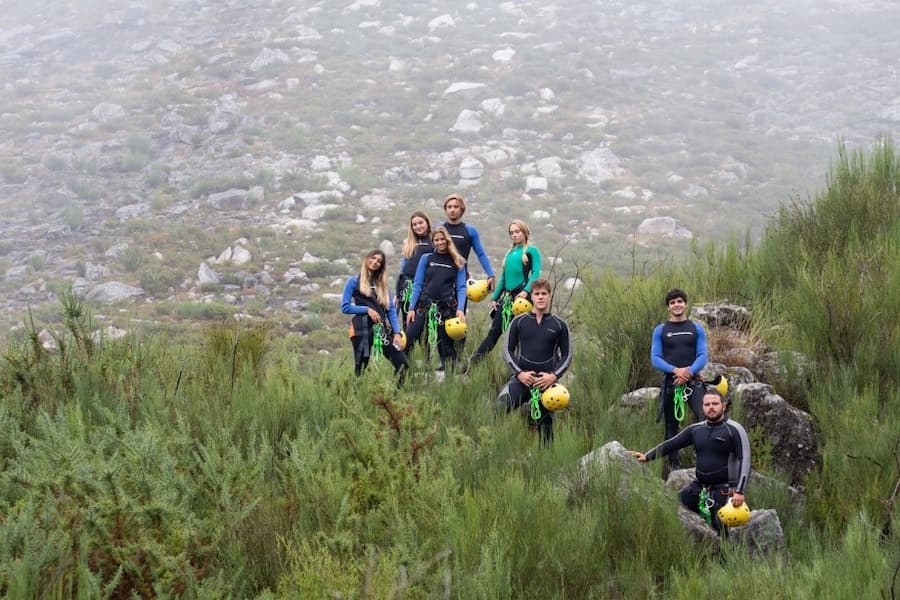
point(543, 347)
point(678, 344)
point(408, 272)
point(438, 280)
point(723, 462)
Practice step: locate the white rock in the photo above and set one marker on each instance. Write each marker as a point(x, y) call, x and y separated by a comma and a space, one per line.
point(535, 184)
point(572, 283)
point(464, 87)
point(442, 22)
point(471, 168)
point(663, 227)
point(206, 276)
point(468, 121)
point(503, 56)
point(540, 215)
point(320, 163)
point(599, 165)
point(493, 106)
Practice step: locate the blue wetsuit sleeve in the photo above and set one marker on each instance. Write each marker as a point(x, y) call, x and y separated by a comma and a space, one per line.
point(347, 305)
point(564, 346)
point(656, 355)
point(392, 315)
point(479, 251)
point(535, 255)
point(419, 281)
point(702, 353)
point(461, 289)
point(402, 263)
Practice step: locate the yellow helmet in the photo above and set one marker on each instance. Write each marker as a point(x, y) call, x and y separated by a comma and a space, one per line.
point(455, 328)
point(734, 517)
point(477, 289)
point(720, 384)
point(402, 341)
point(555, 397)
point(520, 306)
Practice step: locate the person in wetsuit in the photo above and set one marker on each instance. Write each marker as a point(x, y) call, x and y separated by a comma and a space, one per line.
point(440, 280)
point(723, 459)
point(521, 267)
point(678, 350)
point(367, 299)
point(417, 243)
point(538, 351)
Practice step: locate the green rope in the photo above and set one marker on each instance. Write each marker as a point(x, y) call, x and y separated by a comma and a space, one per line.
point(378, 339)
point(535, 404)
point(678, 398)
point(407, 295)
point(434, 319)
point(705, 504)
point(506, 310)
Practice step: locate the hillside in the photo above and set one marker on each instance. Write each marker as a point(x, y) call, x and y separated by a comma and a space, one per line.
point(177, 161)
point(233, 468)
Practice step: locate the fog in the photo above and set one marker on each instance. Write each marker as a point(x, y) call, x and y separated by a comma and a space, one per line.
point(609, 126)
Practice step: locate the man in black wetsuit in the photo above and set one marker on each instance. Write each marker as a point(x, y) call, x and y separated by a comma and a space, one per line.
point(538, 351)
point(465, 237)
point(723, 460)
point(678, 350)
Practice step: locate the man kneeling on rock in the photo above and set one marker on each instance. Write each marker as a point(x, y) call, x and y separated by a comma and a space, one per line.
point(723, 460)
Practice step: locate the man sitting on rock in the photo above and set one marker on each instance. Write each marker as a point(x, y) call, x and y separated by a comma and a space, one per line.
point(723, 460)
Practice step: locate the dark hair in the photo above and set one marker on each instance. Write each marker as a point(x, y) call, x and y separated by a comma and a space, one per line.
point(675, 293)
point(711, 391)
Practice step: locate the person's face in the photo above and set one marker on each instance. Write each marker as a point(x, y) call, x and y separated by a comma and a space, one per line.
point(540, 298)
point(713, 407)
point(375, 262)
point(419, 226)
point(677, 307)
point(440, 243)
point(516, 234)
point(453, 210)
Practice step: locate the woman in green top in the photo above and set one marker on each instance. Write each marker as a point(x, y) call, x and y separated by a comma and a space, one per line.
point(521, 266)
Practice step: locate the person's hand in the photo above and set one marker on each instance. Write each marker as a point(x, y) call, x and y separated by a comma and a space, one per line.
point(410, 316)
point(737, 499)
point(373, 314)
point(491, 281)
point(522, 294)
point(682, 375)
point(461, 316)
point(398, 341)
point(545, 380)
point(638, 456)
point(527, 378)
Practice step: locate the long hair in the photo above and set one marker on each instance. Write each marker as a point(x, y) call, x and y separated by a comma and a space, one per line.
point(409, 246)
point(526, 233)
point(458, 260)
point(375, 279)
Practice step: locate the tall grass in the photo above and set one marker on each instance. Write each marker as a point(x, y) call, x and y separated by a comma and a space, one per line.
point(226, 468)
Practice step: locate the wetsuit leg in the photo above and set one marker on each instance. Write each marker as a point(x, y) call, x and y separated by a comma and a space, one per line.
point(414, 330)
point(519, 394)
point(493, 336)
point(696, 399)
point(673, 459)
point(360, 357)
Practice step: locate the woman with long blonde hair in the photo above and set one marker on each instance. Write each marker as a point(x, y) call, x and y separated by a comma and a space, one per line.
point(417, 244)
point(374, 317)
point(521, 266)
point(440, 281)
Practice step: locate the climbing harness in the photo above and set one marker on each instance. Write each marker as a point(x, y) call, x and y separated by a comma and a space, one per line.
point(407, 295)
point(682, 393)
point(506, 310)
point(535, 403)
point(705, 504)
point(378, 339)
point(433, 322)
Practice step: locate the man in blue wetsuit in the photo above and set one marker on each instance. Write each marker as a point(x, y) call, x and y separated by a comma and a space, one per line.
point(465, 237)
point(678, 349)
point(538, 351)
point(723, 460)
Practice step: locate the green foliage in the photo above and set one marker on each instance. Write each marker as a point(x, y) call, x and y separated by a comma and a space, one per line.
point(229, 466)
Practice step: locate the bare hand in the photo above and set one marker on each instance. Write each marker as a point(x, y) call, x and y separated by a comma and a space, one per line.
point(461, 316)
point(545, 380)
point(410, 316)
point(491, 281)
point(522, 294)
point(527, 378)
point(682, 375)
point(638, 455)
point(737, 499)
point(373, 314)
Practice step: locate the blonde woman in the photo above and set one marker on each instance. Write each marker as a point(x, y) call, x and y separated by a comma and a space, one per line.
point(521, 266)
point(441, 281)
point(367, 298)
point(417, 244)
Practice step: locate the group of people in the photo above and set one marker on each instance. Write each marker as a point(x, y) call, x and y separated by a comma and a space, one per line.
point(431, 289)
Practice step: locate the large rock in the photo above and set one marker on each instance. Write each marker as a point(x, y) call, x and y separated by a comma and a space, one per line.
point(663, 227)
point(113, 292)
point(471, 168)
point(468, 121)
point(722, 315)
point(599, 165)
point(762, 536)
point(792, 433)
